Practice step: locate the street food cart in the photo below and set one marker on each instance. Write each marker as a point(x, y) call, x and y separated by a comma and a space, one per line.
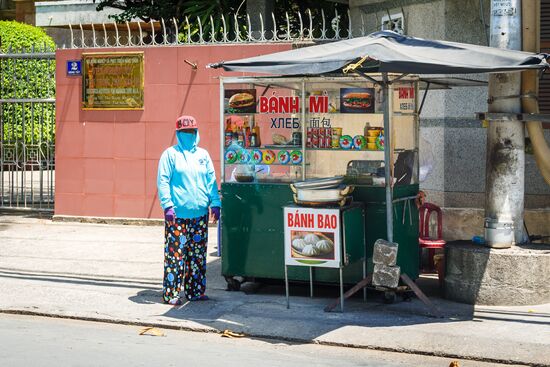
point(279, 131)
point(349, 89)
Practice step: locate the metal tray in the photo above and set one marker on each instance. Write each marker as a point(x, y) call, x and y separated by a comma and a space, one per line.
point(315, 204)
point(320, 183)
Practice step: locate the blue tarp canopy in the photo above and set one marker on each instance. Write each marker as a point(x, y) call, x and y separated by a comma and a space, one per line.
point(389, 52)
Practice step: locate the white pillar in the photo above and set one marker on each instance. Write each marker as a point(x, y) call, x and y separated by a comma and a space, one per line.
point(505, 181)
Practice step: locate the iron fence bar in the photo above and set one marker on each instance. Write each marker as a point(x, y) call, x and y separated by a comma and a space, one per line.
point(27, 129)
point(2, 150)
point(40, 165)
point(26, 56)
point(23, 155)
point(321, 27)
point(27, 100)
point(33, 143)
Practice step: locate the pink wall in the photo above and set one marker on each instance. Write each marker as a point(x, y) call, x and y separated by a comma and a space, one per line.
point(106, 161)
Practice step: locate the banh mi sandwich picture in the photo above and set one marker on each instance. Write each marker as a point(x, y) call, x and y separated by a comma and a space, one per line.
point(357, 100)
point(241, 100)
point(361, 100)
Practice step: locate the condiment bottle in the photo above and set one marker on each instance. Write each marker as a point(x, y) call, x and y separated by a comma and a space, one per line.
point(235, 137)
point(240, 138)
point(253, 140)
point(256, 131)
point(228, 133)
point(246, 132)
point(367, 127)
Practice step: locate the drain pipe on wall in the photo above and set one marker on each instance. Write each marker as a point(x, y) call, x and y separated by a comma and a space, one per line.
point(529, 85)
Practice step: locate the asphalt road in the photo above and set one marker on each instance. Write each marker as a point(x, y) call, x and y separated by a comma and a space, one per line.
point(40, 341)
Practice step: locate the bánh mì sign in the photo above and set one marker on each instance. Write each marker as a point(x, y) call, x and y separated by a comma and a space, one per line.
point(112, 81)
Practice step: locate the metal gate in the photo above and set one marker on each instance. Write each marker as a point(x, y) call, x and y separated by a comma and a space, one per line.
point(27, 129)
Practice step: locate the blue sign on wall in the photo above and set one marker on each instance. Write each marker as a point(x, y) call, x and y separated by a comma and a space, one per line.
point(74, 67)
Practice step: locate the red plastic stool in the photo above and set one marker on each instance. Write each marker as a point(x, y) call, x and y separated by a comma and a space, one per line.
point(424, 239)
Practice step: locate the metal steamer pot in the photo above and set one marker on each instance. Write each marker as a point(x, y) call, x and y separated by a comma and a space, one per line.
point(320, 196)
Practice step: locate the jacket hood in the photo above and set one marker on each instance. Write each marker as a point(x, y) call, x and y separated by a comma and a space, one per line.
point(188, 141)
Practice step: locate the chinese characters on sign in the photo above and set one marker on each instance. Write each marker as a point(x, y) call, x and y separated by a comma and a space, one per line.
point(112, 81)
point(319, 122)
point(312, 237)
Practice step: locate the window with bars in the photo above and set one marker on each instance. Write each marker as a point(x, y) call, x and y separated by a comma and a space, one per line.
point(393, 22)
point(544, 85)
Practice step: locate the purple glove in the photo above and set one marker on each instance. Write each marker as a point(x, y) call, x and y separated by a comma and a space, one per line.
point(169, 214)
point(215, 211)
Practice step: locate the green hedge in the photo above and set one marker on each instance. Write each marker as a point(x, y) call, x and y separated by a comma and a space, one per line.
point(26, 78)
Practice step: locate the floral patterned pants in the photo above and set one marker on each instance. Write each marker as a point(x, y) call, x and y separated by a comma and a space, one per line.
point(185, 258)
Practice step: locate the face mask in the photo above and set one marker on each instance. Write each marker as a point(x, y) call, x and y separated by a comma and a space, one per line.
point(187, 139)
point(188, 132)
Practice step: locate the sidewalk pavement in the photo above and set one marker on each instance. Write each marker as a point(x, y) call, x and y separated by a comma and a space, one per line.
point(113, 273)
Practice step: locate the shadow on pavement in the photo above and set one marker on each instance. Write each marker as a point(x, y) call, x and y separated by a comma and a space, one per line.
point(260, 309)
point(34, 214)
point(147, 297)
point(74, 279)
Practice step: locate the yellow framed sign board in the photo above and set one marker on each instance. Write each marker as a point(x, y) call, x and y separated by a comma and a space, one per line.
point(112, 81)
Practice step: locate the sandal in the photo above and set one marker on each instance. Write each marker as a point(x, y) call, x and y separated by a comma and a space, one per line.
point(174, 302)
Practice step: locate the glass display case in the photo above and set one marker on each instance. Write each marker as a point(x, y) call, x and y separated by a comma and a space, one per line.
point(282, 130)
point(279, 130)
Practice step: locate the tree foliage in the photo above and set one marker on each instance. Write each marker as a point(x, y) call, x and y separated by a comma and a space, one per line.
point(156, 10)
point(26, 78)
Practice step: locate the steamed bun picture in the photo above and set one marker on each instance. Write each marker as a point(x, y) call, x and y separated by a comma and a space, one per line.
point(298, 243)
point(311, 238)
point(310, 250)
point(312, 245)
point(324, 246)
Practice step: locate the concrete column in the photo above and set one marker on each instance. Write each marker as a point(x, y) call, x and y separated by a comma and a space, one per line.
point(505, 180)
point(264, 7)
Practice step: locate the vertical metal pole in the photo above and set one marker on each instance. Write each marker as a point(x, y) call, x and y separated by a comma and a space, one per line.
point(387, 163)
point(505, 165)
point(311, 281)
point(286, 287)
point(364, 256)
point(1, 131)
point(417, 132)
point(23, 156)
point(40, 162)
point(304, 158)
point(51, 162)
point(364, 276)
point(222, 133)
point(33, 146)
point(341, 290)
point(1, 144)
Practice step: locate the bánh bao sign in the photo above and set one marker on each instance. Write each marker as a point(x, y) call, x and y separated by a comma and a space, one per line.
point(312, 237)
point(112, 81)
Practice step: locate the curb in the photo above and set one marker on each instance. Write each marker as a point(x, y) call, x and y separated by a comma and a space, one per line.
point(107, 220)
point(112, 220)
point(271, 337)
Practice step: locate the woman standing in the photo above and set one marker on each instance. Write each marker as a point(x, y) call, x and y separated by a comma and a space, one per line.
point(187, 188)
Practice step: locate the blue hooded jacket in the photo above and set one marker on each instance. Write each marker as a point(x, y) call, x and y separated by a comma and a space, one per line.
point(186, 178)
